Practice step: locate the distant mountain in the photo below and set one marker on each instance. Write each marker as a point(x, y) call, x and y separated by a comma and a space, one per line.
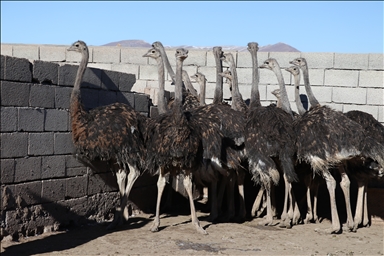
point(279, 47)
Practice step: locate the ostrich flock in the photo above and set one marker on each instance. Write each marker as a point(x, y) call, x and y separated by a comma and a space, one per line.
point(220, 145)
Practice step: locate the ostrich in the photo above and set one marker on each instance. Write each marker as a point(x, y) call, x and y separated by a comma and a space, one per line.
point(111, 133)
point(269, 134)
point(202, 81)
point(325, 138)
point(178, 142)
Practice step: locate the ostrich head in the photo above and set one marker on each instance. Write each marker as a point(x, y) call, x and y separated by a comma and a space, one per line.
point(227, 57)
point(252, 46)
point(270, 64)
point(228, 77)
point(157, 45)
point(181, 53)
point(276, 92)
point(294, 70)
point(300, 62)
point(199, 77)
point(78, 46)
point(152, 53)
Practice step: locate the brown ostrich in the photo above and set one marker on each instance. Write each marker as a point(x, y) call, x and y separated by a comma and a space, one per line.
point(111, 133)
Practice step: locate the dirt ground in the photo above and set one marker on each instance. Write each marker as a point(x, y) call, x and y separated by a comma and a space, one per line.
point(178, 237)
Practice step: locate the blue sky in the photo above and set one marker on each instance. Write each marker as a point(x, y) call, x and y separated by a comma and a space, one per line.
point(323, 26)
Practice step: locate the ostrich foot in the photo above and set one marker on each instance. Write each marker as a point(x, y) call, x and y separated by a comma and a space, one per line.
point(155, 226)
point(266, 222)
point(296, 217)
point(118, 219)
point(308, 219)
point(366, 223)
point(331, 230)
point(285, 223)
point(349, 226)
point(200, 229)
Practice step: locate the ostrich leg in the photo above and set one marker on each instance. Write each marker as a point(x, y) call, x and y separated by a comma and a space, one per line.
point(121, 177)
point(160, 189)
point(359, 205)
point(345, 186)
point(134, 173)
point(188, 187)
point(240, 182)
point(269, 217)
point(256, 204)
point(308, 183)
point(365, 213)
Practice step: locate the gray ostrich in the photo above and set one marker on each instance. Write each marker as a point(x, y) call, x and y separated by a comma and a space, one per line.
point(111, 133)
point(326, 138)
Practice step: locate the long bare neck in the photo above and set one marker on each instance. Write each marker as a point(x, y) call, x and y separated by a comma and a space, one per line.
point(160, 48)
point(255, 94)
point(283, 92)
point(218, 94)
point(188, 84)
point(178, 84)
point(237, 99)
point(76, 95)
point(299, 104)
point(203, 85)
point(311, 97)
point(161, 94)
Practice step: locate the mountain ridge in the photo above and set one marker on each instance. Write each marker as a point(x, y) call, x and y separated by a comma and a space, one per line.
point(278, 47)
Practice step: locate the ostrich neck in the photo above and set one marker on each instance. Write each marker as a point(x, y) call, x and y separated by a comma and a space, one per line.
point(202, 92)
point(299, 105)
point(75, 95)
point(255, 94)
point(178, 83)
point(218, 94)
point(166, 62)
point(311, 97)
point(283, 92)
point(161, 94)
point(236, 95)
point(188, 84)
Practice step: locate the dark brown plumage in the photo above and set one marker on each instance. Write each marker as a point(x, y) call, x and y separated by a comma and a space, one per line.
point(110, 133)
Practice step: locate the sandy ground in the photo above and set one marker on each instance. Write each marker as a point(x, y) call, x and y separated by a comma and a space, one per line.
point(178, 237)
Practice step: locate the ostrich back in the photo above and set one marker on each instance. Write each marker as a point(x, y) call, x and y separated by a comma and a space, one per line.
point(172, 142)
point(112, 132)
point(189, 101)
point(371, 126)
point(328, 136)
point(269, 133)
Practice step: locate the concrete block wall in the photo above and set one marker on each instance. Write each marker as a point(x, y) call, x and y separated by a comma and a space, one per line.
point(43, 186)
point(343, 81)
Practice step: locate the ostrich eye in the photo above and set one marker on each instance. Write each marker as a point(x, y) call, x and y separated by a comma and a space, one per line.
point(267, 62)
point(299, 60)
point(153, 51)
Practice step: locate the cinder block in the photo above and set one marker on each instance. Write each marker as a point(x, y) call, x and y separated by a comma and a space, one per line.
point(322, 93)
point(375, 96)
point(6, 49)
point(127, 68)
point(126, 82)
point(341, 78)
point(8, 195)
point(107, 97)
point(376, 61)
point(196, 58)
point(18, 69)
point(45, 72)
point(106, 54)
point(76, 187)
point(14, 145)
point(351, 61)
point(62, 97)
point(74, 167)
point(27, 169)
point(245, 91)
point(142, 102)
point(40, 144)
point(31, 120)
point(211, 58)
point(283, 58)
point(52, 53)
point(53, 167)
point(371, 79)
point(126, 98)
point(321, 60)
point(56, 120)
point(90, 98)
point(9, 90)
point(104, 66)
point(349, 95)
point(72, 162)
point(148, 73)
point(67, 75)
point(209, 72)
point(244, 59)
point(76, 171)
point(244, 75)
point(92, 78)
point(42, 96)
point(153, 111)
point(8, 119)
point(100, 183)
point(2, 67)
point(29, 193)
point(335, 106)
point(26, 51)
point(110, 80)
point(7, 171)
point(53, 190)
point(63, 143)
point(134, 56)
point(380, 117)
